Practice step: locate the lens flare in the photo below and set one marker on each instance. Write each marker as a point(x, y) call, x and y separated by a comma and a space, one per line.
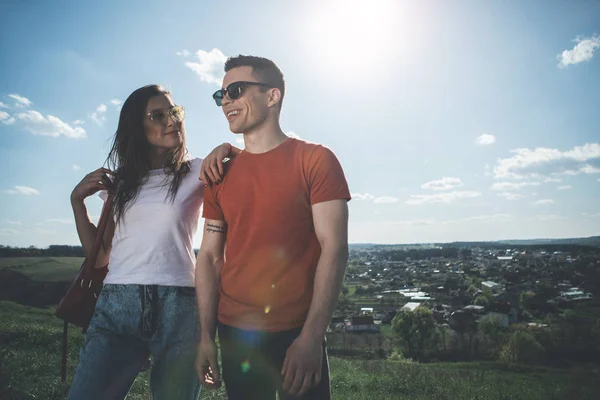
point(245, 366)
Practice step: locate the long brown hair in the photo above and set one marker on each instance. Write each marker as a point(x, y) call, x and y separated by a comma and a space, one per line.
point(130, 154)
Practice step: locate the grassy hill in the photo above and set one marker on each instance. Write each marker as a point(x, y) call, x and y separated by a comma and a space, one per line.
point(30, 343)
point(51, 269)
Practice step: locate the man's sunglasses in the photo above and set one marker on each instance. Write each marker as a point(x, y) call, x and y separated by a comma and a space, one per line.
point(235, 91)
point(162, 116)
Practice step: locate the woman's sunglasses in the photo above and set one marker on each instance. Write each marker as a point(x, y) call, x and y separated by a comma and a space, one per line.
point(235, 91)
point(162, 116)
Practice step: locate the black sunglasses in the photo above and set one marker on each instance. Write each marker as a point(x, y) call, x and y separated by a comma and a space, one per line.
point(234, 90)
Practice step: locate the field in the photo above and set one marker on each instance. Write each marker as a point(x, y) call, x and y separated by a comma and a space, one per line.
point(51, 269)
point(30, 344)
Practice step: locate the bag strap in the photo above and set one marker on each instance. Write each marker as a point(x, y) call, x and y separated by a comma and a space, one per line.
point(65, 352)
point(98, 241)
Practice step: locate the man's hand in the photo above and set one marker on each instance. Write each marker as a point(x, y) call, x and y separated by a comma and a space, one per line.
point(302, 366)
point(211, 170)
point(207, 365)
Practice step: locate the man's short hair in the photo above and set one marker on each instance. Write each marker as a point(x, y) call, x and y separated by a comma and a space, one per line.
point(265, 70)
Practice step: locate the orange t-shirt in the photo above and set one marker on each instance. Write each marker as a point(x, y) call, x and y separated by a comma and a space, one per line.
point(272, 251)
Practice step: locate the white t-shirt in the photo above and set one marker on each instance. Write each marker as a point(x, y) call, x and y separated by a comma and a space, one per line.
point(152, 244)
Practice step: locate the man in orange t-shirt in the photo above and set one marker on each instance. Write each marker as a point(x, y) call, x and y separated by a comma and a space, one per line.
point(274, 249)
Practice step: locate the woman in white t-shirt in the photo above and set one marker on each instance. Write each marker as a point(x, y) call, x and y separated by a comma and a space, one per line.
point(148, 303)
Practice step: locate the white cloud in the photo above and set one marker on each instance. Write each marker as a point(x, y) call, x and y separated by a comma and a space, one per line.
point(586, 169)
point(6, 119)
point(583, 51)
point(183, 53)
point(493, 217)
point(24, 190)
point(76, 167)
point(445, 197)
point(37, 124)
point(2, 105)
point(9, 232)
point(14, 222)
point(416, 222)
point(385, 200)
point(555, 180)
point(209, 66)
point(446, 183)
point(116, 102)
point(99, 116)
point(239, 140)
point(99, 119)
point(20, 100)
point(512, 185)
point(546, 217)
point(431, 221)
point(78, 122)
point(485, 139)
point(546, 162)
point(543, 202)
point(359, 196)
point(589, 215)
point(511, 196)
point(566, 187)
point(64, 221)
point(292, 135)
point(487, 170)
point(480, 218)
point(42, 231)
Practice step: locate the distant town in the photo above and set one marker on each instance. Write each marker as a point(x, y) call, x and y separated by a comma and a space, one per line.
point(461, 285)
point(450, 281)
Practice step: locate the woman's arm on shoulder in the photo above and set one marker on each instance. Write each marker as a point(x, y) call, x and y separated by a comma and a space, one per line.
point(212, 170)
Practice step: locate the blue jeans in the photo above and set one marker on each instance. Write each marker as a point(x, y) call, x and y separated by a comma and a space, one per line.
point(130, 323)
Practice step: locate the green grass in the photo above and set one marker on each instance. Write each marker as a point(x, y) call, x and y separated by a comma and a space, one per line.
point(30, 345)
point(53, 269)
point(386, 330)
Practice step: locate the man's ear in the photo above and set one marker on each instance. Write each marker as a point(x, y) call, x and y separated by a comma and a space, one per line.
point(274, 96)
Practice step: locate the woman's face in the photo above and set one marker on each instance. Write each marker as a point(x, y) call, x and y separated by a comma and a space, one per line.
point(163, 124)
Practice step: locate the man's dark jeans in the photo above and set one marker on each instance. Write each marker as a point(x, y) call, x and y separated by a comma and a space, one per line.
point(252, 362)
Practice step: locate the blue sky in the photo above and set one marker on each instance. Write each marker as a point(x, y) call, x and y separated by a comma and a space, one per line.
point(463, 120)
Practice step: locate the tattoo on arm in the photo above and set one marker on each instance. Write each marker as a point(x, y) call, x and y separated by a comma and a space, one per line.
point(215, 228)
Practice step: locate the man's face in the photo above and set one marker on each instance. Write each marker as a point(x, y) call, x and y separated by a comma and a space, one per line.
point(249, 110)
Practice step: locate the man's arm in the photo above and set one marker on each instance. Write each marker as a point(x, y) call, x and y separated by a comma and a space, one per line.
point(330, 220)
point(208, 275)
point(303, 361)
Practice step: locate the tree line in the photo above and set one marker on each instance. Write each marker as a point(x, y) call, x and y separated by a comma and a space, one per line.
point(51, 251)
point(570, 337)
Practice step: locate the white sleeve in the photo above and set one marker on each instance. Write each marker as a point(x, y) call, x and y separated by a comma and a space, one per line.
point(196, 164)
point(103, 194)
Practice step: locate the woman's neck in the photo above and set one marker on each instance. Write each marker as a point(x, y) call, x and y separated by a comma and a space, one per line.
point(158, 159)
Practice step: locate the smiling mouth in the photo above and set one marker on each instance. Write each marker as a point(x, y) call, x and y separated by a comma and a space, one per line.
point(232, 114)
point(172, 133)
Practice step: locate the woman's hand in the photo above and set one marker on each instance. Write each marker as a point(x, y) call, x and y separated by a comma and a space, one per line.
point(211, 170)
point(92, 183)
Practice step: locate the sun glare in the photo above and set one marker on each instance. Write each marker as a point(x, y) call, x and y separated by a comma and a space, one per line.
point(351, 36)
